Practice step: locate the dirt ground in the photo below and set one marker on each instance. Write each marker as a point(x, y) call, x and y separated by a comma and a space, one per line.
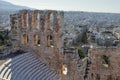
point(2, 61)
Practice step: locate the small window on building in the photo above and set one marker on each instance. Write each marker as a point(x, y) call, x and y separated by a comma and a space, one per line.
point(105, 60)
point(51, 41)
point(39, 41)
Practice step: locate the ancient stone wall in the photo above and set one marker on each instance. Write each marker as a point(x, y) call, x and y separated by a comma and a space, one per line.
point(104, 68)
point(70, 59)
point(40, 32)
point(27, 26)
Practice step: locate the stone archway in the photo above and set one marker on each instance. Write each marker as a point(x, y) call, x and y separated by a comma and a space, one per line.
point(50, 41)
point(50, 20)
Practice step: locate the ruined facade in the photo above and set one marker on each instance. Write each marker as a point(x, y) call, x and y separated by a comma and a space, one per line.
point(104, 64)
point(40, 32)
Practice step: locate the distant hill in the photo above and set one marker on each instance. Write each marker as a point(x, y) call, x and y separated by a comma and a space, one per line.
point(6, 7)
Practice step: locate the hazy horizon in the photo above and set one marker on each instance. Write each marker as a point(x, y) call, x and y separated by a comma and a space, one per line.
point(106, 6)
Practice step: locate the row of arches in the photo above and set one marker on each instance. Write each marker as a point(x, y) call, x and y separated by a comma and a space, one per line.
point(36, 17)
point(36, 40)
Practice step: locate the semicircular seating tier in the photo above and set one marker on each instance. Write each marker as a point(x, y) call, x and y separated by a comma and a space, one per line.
point(26, 67)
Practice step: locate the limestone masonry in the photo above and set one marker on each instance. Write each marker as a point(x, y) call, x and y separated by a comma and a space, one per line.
point(40, 32)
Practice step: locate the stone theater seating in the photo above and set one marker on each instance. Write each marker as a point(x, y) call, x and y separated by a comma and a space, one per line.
point(26, 67)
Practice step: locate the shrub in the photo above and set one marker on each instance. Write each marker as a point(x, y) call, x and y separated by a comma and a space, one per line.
point(81, 54)
point(105, 59)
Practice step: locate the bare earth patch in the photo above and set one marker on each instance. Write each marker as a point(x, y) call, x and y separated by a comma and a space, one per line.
point(3, 61)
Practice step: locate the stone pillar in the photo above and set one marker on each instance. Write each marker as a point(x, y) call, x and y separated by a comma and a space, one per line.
point(56, 36)
point(48, 40)
point(24, 18)
point(35, 19)
point(24, 39)
point(35, 39)
point(57, 31)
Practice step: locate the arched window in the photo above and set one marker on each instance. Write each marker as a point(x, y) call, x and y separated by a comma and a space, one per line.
point(50, 41)
point(38, 21)
point(39, 41)
point(51, 21)
point(25, 39)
